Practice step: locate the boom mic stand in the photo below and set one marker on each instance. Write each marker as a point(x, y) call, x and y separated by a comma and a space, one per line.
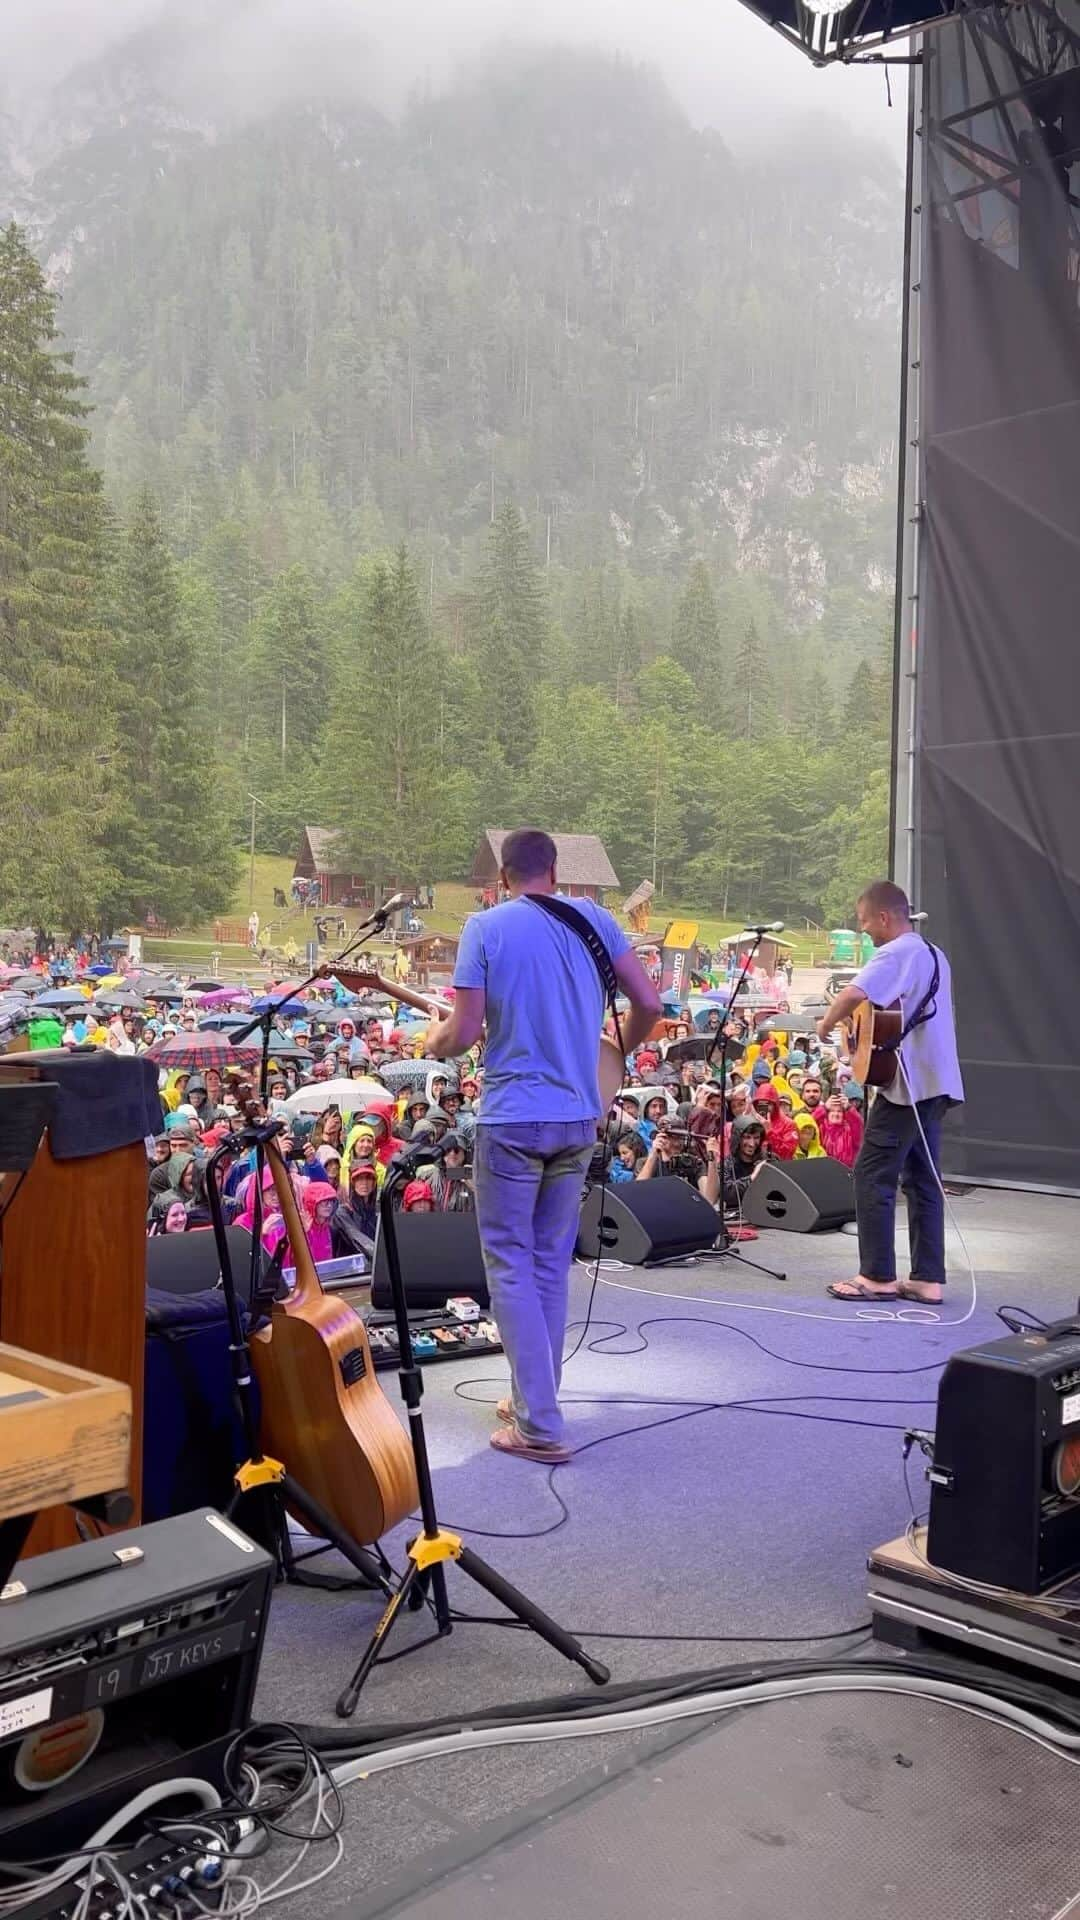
point(435, 1545)
point(730, 1250)
point(263, 1024)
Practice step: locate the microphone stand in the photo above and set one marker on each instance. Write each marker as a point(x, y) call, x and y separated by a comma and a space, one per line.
point(263, 1024)
point(731, 1248)
point(434, 1545)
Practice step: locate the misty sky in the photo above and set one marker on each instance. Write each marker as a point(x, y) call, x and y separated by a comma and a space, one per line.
point(728, 69)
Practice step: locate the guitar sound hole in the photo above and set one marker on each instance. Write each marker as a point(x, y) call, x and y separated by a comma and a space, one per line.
point(353, 1366)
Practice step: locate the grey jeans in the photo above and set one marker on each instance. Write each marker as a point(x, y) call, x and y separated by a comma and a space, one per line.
point(528, 1179)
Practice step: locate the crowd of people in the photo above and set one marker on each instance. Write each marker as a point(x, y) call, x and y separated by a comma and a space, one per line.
point(786, 1097)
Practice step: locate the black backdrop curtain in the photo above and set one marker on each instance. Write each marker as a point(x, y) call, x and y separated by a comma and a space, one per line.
point(998, 701)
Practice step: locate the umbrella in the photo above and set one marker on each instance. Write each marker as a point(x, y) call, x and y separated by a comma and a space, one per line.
point(405, 1073)
point(101, 967)
point(120, 997)
point(698, 1048)
point(197, 1051)
point(222, 1022)
point(202, 986)
point(62, 997)
point(287, 1004)
point(221, 996)
point(30, 981)
point(348, 1095)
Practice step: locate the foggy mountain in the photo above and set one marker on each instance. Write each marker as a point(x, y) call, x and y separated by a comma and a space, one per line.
point(544, 284)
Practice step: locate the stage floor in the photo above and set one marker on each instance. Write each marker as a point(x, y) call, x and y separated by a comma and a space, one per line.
point(743, 1527)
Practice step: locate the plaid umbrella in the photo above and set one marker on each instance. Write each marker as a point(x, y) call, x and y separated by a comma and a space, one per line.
point(203, 1049)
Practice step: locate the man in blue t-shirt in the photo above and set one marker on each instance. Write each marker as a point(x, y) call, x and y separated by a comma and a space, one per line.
point(534, 983)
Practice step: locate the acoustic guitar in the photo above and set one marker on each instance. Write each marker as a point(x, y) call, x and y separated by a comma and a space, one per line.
point(323, 1410)
point(873, 1035)
point(612, 1067)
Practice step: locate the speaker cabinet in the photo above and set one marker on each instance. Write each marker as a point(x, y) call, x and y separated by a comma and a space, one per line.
point(800, 1196)
point(439, 1255)
point(645, 1221)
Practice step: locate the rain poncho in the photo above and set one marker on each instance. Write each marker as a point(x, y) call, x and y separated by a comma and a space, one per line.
point(810, 1147)
point(361, 1131)
point(841, 1138)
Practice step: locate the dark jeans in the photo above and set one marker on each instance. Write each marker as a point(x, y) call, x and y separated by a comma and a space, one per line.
point(892, 1151)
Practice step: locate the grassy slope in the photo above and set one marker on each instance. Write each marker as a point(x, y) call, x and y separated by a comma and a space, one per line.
point(452, 903)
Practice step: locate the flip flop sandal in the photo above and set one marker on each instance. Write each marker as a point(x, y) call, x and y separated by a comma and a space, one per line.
point(510, 1439)
point(852, 1290)
point(906, 1292)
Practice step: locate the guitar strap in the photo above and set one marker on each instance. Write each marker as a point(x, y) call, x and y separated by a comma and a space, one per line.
point(571, 917)
point(927, 1006)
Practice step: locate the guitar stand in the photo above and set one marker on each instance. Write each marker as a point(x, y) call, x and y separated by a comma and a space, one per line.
point(435, 1545)
point(259, 1479)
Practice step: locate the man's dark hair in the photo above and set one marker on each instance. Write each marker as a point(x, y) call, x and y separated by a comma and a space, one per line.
point(884, 896)
point(527, 853)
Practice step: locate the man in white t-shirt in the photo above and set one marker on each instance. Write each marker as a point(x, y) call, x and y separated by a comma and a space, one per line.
point(903, 1130)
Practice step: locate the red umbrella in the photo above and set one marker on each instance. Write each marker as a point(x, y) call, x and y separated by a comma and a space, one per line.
point(203, 1049)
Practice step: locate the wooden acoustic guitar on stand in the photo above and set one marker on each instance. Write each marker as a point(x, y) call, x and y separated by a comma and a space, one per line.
point(612, 1068)
point(323, 1411)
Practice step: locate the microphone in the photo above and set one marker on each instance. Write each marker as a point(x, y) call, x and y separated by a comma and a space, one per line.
point(770, 926)
point(396, 901)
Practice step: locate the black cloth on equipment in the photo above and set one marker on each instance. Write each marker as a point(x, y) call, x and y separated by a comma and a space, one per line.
point(105, 1100)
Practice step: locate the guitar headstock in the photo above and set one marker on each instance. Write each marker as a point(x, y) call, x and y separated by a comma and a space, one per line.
point(357, 980)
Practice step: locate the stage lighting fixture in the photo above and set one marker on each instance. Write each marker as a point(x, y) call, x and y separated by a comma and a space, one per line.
point(825, 9)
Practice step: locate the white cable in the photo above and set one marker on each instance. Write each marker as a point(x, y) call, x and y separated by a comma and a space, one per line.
point(1065, 1746)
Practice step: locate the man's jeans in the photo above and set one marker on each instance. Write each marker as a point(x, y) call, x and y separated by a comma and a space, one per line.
point(891, 1151)
point(528, 1179)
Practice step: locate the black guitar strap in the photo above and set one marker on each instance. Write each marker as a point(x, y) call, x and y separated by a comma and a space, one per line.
point(927, 1006)
point(570, 917)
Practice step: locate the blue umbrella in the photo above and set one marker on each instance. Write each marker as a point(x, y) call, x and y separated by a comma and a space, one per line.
point(62, 997)
point(102, 967)
point(292, 1008)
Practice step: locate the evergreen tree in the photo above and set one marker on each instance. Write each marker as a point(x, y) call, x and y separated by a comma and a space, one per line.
point(56, 739)
point(696, 639)
point(170, 844)
point(749, 685)
point(382, 751)
point(288, 679)
point(513, 623)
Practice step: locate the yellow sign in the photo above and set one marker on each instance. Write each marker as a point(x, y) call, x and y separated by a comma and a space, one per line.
point(681, 933)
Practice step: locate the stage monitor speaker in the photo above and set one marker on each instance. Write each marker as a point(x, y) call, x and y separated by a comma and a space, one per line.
point(645, 1221)
point(1006, 1466)
point(440, 1256)
point(800, 1196)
